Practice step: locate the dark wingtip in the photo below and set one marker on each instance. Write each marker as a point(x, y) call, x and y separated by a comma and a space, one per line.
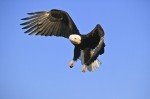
point(26, 31)
point(98, 25)
point(55, 10)
point(24, 28)
point(24, 18)
point(22, 24)
point(31, 13)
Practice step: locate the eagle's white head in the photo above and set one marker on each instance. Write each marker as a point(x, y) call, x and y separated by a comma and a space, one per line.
point(75, 39)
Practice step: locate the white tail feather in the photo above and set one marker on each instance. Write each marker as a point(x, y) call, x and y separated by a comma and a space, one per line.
point(93, 66)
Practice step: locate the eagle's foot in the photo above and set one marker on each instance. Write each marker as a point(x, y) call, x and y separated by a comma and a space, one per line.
point(84, 68)
point(71, 63)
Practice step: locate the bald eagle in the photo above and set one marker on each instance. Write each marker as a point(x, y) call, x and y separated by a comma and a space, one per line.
point(58, 23)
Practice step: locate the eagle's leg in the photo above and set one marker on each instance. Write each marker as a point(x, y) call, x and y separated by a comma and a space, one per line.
point(71, 63)
point(75, 57)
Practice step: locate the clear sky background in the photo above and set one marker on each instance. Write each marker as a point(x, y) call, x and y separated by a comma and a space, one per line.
point(34, 67)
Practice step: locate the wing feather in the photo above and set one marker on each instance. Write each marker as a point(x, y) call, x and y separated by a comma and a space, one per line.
point(51, 23)
point(39, 12)
point(97, 37)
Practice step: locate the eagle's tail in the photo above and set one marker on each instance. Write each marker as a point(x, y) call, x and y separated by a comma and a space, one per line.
point(93, 66)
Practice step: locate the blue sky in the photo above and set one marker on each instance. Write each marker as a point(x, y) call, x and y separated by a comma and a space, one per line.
point(34, 67)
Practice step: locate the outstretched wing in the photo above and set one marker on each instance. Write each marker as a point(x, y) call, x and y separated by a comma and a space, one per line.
point(97, 42)
point(51, 23)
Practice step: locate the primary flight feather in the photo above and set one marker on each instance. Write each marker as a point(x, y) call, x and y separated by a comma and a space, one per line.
point(59, 23)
